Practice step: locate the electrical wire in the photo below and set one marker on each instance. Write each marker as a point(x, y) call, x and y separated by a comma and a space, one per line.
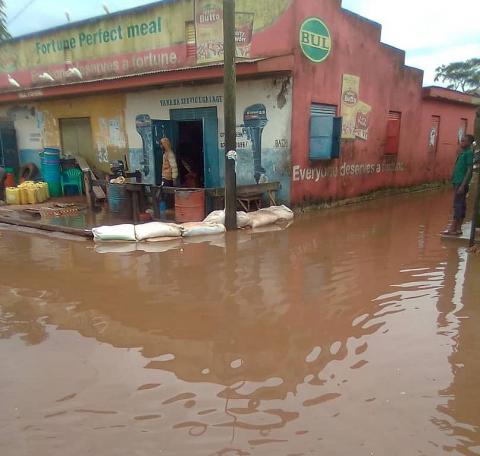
point(22, 10)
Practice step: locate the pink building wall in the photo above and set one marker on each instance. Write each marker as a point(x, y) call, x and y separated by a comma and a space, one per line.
point(387, 85)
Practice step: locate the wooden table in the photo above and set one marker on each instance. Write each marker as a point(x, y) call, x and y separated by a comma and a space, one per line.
point(246, 196)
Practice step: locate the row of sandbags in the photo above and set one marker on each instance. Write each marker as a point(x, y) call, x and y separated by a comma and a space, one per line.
point(257, 219)
point(213, 224)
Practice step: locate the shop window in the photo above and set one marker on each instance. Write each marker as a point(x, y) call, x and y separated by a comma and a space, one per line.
point(325, 132)
point(394, 120)
point(462, 130)
point(434, 134)
point(190, 39)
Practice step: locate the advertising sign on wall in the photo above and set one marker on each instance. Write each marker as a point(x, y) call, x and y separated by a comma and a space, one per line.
point(150, 38)
point(315, 40)
point(355, 113)
point(209, 31)
point(350, 99)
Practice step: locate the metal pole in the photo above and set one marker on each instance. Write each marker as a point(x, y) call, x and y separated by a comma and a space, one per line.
point(476, 210)
point(230, 83)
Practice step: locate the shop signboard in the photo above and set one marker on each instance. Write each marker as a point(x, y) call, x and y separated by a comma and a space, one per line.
point(151, 38)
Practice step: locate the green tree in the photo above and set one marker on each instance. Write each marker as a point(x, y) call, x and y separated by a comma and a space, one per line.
point(463, 76)
point(4, 34)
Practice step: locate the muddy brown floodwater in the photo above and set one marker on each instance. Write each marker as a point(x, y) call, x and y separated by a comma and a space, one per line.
point(354, 332)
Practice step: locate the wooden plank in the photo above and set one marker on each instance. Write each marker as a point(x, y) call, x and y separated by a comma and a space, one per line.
point(47, 227)
point(97, 190)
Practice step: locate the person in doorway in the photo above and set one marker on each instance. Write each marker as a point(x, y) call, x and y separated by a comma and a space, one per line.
point(461, 177)
point(190, 178)
point(169, 166)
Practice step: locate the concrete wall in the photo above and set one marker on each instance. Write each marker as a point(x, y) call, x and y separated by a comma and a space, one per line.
point(386, 84)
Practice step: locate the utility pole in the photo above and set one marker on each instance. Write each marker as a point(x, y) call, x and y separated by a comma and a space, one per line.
point(230, 108)
point(476, 210)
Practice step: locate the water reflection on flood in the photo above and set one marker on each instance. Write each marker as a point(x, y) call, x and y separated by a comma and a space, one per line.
point(355, 331)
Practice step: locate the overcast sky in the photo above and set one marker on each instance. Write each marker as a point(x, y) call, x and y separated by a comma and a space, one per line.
point(432, 32)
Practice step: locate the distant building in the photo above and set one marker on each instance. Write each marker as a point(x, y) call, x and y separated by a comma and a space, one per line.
point(324, 107)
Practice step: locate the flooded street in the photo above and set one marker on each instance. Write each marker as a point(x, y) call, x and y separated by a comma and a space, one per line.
point(356, 331)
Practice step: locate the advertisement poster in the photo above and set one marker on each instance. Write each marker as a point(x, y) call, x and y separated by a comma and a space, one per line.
point(362, 120)
point(350, 100)
point(209, 30)
point(243, 34)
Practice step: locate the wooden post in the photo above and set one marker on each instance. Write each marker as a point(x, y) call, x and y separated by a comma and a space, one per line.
point(230, 108)
point(476, 211)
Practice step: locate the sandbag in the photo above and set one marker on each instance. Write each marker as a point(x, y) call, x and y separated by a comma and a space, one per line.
point(154, 230)
point(114, 233)
point(262, 218)
point(202, 229)
point(282, 212)
point(243, 219)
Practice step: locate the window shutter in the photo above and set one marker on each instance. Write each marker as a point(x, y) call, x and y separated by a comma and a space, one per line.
point(393, 132)
point(322, 127)
point(337, 137)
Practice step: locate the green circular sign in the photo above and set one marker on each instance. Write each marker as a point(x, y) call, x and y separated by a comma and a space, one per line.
point(315, 39)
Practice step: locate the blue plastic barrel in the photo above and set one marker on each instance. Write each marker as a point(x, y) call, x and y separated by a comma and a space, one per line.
point(119, 201)
point(51, 170)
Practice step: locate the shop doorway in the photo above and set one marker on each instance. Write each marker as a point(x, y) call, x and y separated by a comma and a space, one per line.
point(194, 137)
point(76, 137)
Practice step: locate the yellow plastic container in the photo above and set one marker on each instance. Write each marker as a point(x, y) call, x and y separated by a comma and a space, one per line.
point(23, 195)
point(39, 193)
point(12, 195)
point(46, 194)
point(31, 194)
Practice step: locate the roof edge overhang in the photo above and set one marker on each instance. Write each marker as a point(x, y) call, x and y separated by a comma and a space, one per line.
point(211, 73)
point(450, 96)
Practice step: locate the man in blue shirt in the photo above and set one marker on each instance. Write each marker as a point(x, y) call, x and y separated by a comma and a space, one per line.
point(461, 177)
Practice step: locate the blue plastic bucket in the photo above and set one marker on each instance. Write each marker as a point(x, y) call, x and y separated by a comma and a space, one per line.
point(119, 201)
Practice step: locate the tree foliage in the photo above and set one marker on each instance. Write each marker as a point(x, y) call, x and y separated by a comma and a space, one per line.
point(4, 34)
point(463, 76)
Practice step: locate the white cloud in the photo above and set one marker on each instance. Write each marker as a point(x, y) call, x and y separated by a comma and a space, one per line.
point(432, 32)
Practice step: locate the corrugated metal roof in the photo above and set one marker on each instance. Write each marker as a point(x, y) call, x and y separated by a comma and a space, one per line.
point(128, 76)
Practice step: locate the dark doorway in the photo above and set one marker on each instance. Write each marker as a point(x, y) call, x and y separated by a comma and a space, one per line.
point(190, 153)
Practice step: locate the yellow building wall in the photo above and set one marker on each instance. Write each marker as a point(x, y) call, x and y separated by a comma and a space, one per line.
point(106, 114)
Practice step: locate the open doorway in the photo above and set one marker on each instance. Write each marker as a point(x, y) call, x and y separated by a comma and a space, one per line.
point(190, 153)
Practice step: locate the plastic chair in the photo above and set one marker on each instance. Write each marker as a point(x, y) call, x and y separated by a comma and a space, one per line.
point(72, 179)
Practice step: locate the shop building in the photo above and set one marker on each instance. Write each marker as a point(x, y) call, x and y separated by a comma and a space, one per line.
point(323, 106)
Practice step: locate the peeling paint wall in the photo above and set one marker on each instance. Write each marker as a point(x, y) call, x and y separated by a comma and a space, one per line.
point(38, 126)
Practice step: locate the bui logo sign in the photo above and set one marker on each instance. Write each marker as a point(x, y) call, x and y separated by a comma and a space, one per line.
point(315, 39)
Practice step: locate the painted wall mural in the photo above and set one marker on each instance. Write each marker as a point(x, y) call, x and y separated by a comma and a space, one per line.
point(263, 127)
point(144, 39)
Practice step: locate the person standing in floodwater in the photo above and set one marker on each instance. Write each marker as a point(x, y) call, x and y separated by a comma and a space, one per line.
point(461, 177)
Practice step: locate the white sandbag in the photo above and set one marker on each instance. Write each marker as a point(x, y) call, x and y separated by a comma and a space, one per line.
point(157, 230)
point(202, 229)
point(282, 212)
point(114, 233)
point(243, 219)
point(262, 218)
